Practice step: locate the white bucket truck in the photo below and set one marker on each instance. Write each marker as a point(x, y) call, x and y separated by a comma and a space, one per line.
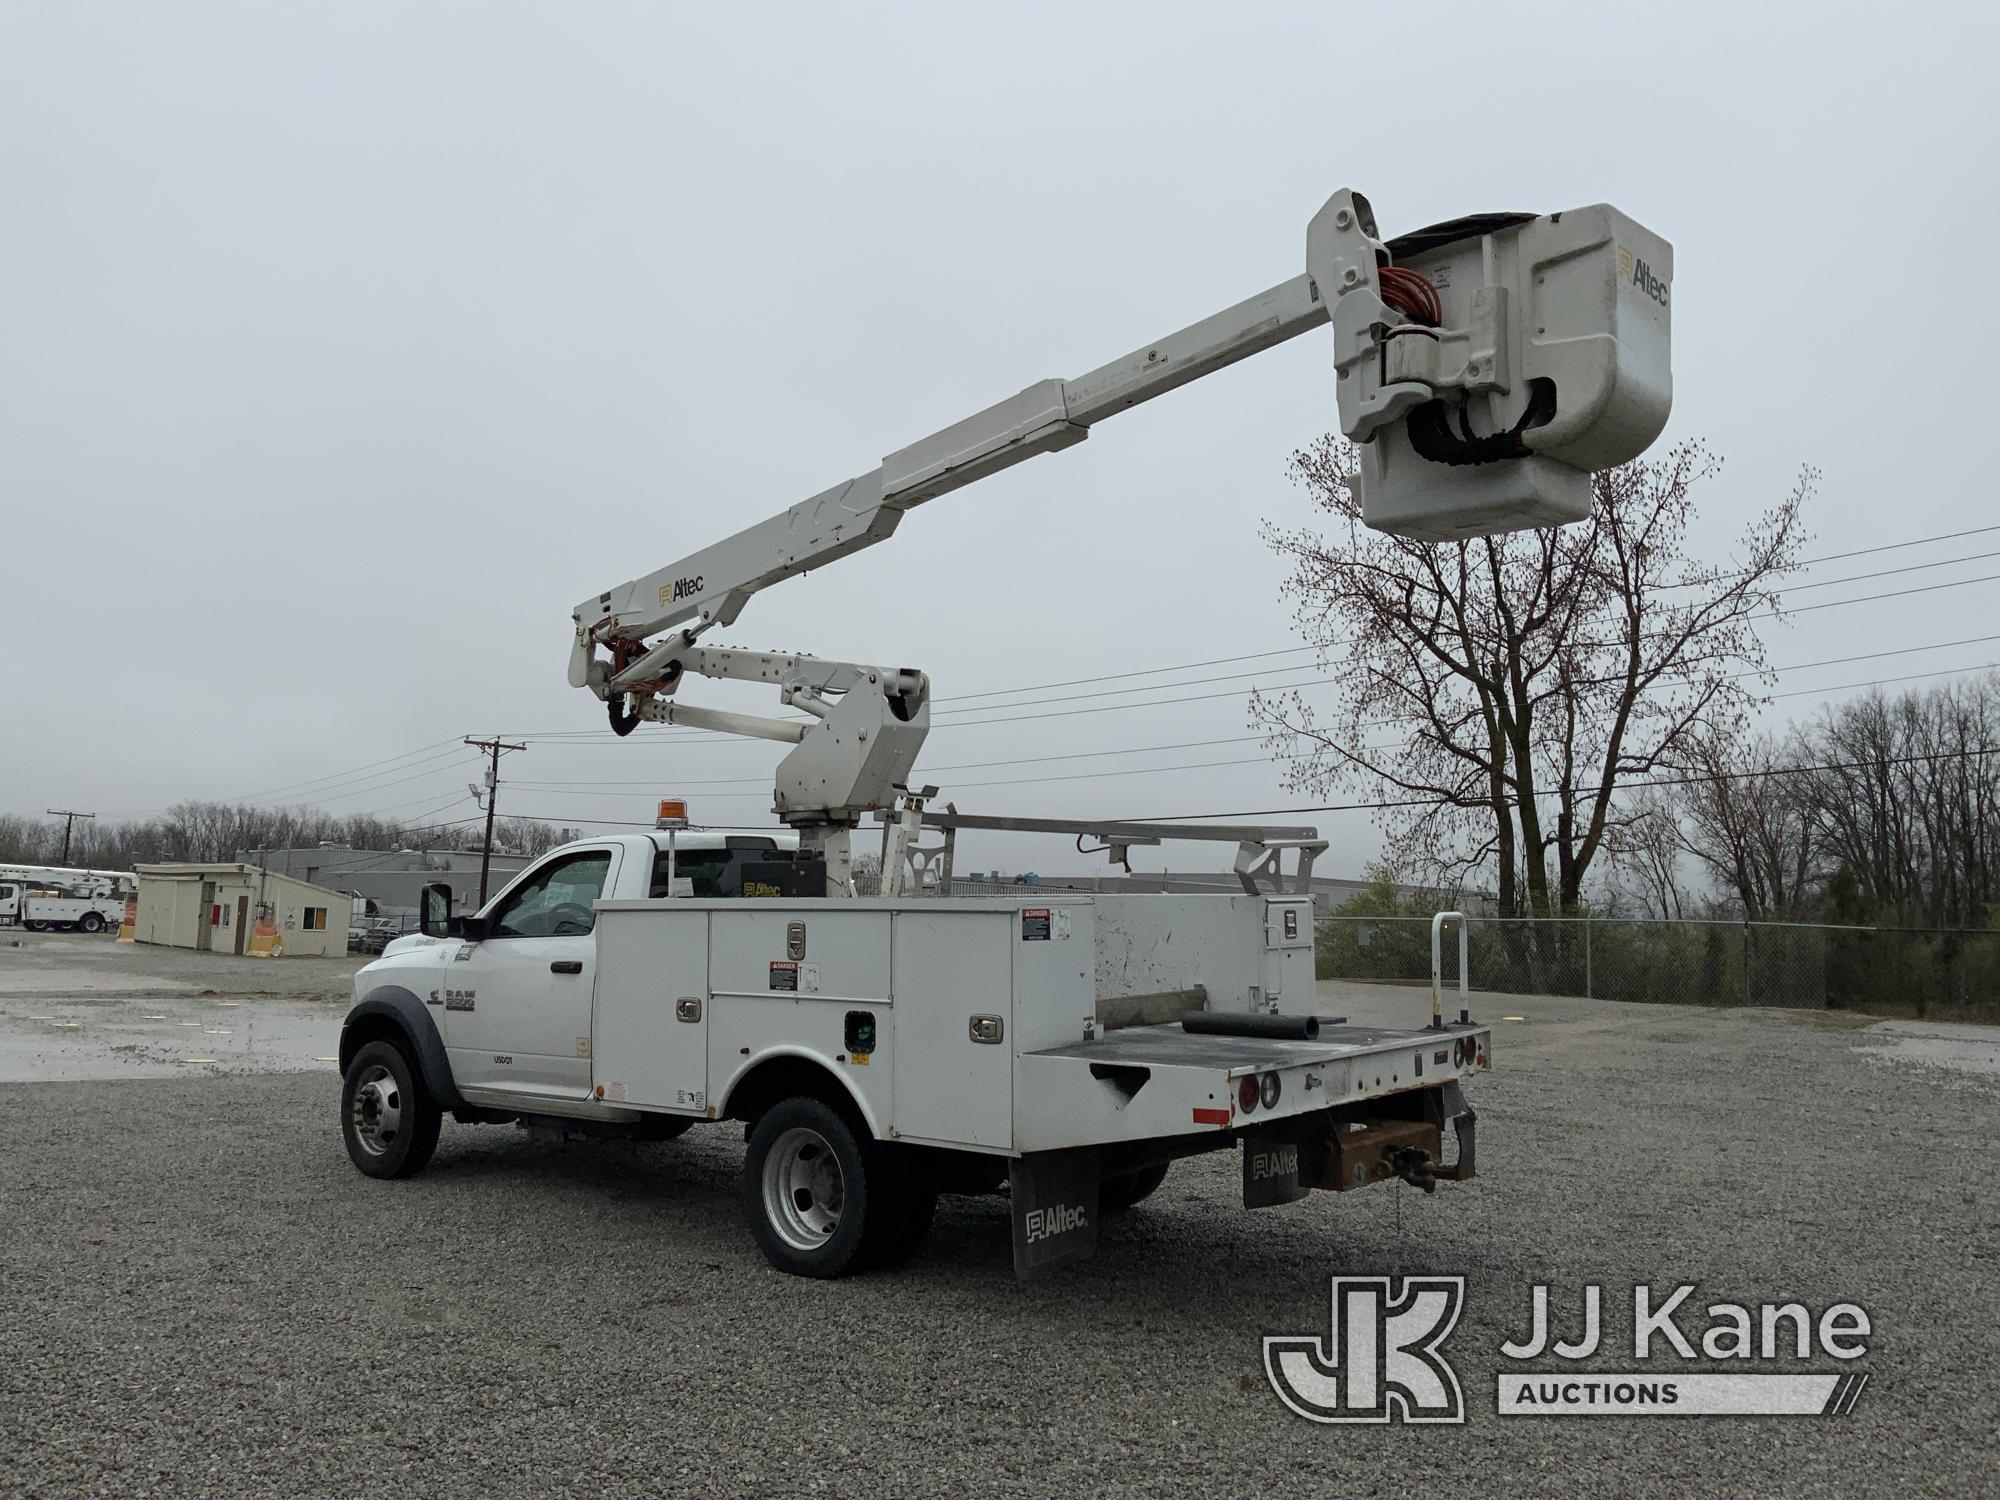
point(880, 1051)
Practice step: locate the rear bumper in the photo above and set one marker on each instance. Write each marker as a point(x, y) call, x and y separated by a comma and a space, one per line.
point(1400, 1137)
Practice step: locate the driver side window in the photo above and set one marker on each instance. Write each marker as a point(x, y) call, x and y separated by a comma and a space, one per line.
point(556, 902)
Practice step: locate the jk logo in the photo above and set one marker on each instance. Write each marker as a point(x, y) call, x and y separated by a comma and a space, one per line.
point(1380, 1362)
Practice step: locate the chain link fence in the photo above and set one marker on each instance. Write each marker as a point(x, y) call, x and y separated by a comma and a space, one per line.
point(1899, 970)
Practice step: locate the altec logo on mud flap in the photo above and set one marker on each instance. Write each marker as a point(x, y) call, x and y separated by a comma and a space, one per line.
point(1047, 1223)
point(1380, 1362)
point(1275, 1161)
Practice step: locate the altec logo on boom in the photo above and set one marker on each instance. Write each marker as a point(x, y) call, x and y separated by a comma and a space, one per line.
point(680, 588)
point(1381, 1363)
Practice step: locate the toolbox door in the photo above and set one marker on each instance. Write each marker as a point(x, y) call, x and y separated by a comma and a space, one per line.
point(1288, 954)
point(954, 1054)
point(649, 1021)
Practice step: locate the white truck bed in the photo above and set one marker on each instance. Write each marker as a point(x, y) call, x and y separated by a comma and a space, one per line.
point(693, 996)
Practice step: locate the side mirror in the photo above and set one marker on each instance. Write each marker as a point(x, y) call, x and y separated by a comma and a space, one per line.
point(434, 911)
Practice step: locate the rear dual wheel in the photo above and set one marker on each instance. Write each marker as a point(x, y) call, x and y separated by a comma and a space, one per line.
point(823, 1199)
point(1116, 1194)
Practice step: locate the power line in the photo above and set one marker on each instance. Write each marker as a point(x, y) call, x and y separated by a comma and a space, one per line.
point(1832, 661)
point(362, 784)
point(437, 767)
point(1373, 806)
point(1000, 716)
point(1943, 562)
point(559, 787)
point(355, 773)
point(580, 789)
point(352, 771)
point(1813, 562)
point(1290, 650)
point(1985, 666)
point(1635, 785)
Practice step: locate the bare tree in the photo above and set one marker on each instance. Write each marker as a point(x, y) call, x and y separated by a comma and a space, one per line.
point(1522, 679)
point(210, 831)
point(1645, 848)
point(1906, 801)
point(529, 837)
point(1744, 816)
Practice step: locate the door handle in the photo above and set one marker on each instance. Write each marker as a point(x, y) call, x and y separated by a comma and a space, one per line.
point(566, 966)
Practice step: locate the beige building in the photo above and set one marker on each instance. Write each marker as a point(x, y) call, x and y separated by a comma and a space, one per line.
point(238, 909)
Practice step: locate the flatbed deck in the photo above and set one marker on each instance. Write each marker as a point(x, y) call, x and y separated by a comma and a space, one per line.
point(1171, 1046)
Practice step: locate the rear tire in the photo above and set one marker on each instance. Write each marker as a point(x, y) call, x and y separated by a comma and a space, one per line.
point(906, 1195)
point(823, 1199)
point(387, 1117)
point(1117, 1194)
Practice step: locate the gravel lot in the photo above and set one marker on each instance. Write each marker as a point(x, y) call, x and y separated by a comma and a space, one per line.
point(198, 1294)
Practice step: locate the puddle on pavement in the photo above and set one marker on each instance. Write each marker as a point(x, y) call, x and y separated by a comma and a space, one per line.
point(1970, 1051)
point(108, 1037)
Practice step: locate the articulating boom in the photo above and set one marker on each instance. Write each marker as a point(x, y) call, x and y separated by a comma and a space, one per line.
point(1485, 368)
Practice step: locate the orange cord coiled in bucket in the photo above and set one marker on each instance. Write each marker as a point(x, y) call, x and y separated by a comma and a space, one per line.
point(1411, 294)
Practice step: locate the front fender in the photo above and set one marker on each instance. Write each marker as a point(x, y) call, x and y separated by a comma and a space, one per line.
point(389, 1010)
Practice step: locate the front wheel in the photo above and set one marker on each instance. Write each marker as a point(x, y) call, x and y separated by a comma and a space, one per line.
point(91, 921)
point(387, 1117)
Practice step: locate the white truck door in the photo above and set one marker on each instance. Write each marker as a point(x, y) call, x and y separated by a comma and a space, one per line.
point(517, 1002)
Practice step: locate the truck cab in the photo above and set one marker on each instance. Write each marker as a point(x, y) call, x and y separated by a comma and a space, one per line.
point(510, 986)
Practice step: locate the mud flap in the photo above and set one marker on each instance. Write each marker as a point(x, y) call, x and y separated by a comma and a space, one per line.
point(1054, 1194)
point(1465, 1124)
point(1275, 1166)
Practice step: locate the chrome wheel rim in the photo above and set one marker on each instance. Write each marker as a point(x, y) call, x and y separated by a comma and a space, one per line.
point(804, 1190)
point(377, 1111)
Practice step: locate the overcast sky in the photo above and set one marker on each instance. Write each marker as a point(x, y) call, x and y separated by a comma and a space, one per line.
point(343, 349)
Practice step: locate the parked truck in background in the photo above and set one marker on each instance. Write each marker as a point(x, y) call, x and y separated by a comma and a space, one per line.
point(40, 908)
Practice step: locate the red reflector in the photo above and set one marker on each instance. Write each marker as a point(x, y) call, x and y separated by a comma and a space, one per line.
point(1211, 1117)
point(1441, 1055)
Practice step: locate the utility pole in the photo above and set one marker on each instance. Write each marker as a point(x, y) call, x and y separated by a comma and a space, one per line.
point(492, 748)
point(69, 824)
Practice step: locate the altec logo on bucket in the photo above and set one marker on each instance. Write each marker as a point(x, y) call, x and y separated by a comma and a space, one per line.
point(1381, 1363)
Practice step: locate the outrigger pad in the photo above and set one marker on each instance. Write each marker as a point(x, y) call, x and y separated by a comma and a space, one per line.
point(1055, 1208)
